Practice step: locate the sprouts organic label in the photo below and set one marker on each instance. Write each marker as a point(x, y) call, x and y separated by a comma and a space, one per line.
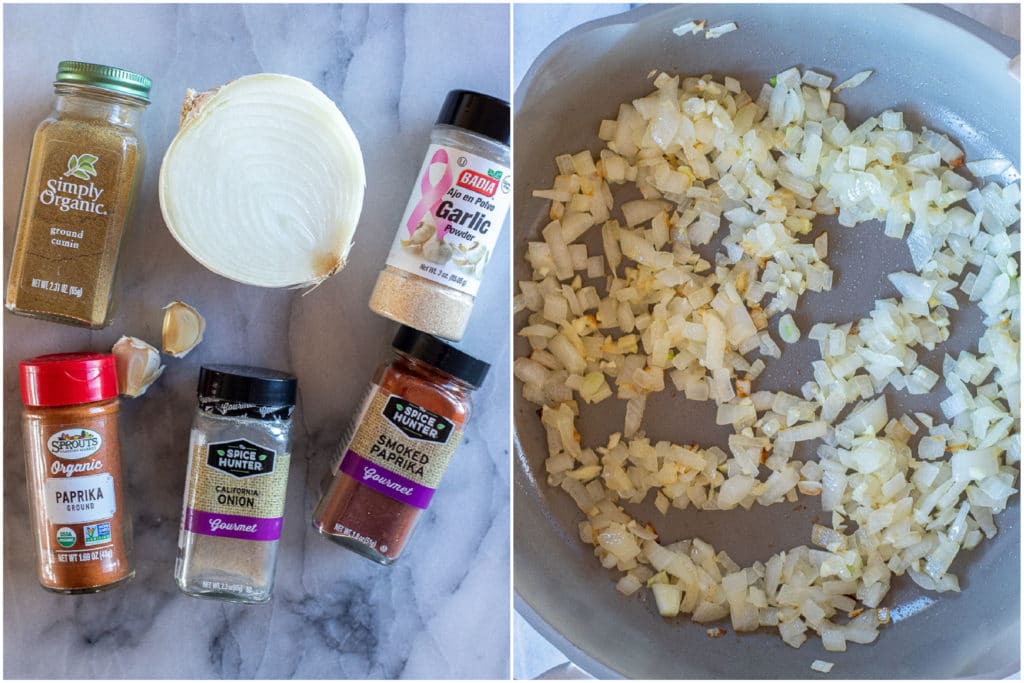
point(79, 489)
point(451, 224)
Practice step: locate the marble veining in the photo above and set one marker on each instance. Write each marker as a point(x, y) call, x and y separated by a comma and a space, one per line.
point(443, 610)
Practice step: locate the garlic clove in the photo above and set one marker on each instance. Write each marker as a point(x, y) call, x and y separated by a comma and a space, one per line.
point(183, 328)
point(138, 366)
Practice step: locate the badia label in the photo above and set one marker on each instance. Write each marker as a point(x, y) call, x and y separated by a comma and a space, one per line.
point(401, 449)
point(452, 221)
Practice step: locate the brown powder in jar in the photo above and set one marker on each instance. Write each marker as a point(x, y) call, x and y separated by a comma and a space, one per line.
point(370, 518)
point(56, 280)
point(81, 566)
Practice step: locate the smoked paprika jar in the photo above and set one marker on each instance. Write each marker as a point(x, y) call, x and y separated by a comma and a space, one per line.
point(82, 530)
point(400, 444)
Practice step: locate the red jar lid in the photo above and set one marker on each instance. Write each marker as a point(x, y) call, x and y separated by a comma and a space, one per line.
point(64, 379)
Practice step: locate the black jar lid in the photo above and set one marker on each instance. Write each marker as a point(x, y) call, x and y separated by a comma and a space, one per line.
point(444, 357)
point(245, 384)
point(477, 112)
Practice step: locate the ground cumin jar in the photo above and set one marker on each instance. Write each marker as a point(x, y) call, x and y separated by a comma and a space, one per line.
point(83, 171)
point(402, 439)
point(73, 461)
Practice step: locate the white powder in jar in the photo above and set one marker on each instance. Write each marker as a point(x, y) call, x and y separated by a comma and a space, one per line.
point(417, 302)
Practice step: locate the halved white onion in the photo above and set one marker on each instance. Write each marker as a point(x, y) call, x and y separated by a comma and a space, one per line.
point(263, 183)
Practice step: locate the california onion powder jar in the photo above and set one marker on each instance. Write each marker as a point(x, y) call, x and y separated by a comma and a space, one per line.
point(400, 444)
point(82, 530)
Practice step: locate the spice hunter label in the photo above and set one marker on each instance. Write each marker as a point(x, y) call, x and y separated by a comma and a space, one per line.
point(239, 492)
point(81, 496)
point(401, 449)
point(451, 224)
point(73, 228)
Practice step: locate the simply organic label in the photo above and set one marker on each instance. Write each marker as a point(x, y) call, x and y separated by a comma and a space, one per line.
point(451, 223)
point(67, 195)
point(66, 227)
point(236, 489)
point(401, 449)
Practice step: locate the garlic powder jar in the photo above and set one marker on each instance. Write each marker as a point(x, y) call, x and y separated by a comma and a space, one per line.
point(451, 224)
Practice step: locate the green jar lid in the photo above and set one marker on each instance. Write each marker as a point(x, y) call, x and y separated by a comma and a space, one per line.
point(107, 77)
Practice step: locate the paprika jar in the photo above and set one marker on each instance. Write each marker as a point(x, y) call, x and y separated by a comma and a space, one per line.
point(76, 493)
point(400, 443)
point(83, 172)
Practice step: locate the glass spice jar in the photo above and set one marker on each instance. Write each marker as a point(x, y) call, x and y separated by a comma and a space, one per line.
point(83, 172)
point(235, 488)
point(401, 442)
point(452, 220)
point(82, 529)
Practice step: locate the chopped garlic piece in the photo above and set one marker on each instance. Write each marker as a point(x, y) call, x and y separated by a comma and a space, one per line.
point(719, 31)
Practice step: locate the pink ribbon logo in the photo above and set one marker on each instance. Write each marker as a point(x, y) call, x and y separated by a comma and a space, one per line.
point(431, 195)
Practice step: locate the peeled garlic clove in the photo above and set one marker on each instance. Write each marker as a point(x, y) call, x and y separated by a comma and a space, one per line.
point(138, 366)
point(183, 328)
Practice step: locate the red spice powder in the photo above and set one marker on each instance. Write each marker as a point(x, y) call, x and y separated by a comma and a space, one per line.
point(372, 521)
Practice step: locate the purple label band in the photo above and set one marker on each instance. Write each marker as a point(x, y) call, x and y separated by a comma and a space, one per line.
point(233, 526)
point(385, 481)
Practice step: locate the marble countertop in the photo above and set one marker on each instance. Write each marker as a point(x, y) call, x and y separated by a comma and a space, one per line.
point(443, 610)
point(534, 28)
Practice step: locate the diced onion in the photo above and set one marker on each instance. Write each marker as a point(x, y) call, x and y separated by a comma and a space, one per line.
point(907, 494)
point(854, 80)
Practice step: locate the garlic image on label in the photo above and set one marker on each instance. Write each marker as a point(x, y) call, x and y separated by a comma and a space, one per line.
point(138, 366)
point(421, 234)
point(471, 260)
point(183, 328)
point(437, 250)
point(425, 242)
